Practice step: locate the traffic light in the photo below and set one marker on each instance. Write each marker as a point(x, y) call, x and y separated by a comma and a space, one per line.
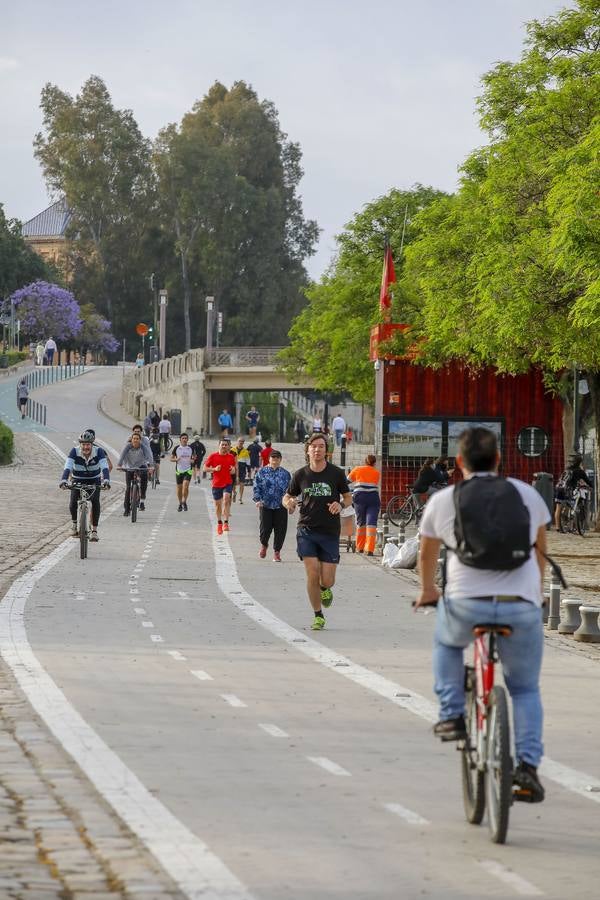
point(152, 281)
point(150, 333)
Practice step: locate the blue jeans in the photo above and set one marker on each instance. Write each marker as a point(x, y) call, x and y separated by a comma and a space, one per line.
point(338, 435)
point(521, 656)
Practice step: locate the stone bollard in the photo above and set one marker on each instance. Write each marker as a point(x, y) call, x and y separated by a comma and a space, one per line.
point(570, 618)
point(385, 529)
point(588, 631)
point(401, 534)
point(554, 605)
point(545, 607)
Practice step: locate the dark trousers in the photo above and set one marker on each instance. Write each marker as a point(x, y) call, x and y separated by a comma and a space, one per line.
point(143, 476)
point(94, 500)
point(273, 520)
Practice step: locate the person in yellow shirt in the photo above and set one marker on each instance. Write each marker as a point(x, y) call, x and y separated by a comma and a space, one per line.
point(364, 482)
point(243, 468)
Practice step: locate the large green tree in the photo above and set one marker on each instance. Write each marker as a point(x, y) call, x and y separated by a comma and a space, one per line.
point(329, 340)
point(96, 156)
point(19, 265)
point(228, 192)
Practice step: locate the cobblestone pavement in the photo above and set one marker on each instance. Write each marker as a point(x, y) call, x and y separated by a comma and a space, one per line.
point(58, 837)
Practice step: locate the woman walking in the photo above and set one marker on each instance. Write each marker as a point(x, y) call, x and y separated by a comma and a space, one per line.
point(22, 396)
point(364, 482)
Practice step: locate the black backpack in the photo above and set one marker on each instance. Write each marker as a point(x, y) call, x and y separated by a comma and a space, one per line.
point(492, 524)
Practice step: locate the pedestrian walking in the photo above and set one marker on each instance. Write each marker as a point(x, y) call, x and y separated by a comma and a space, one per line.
point(199, 451)
point(252, 418)
point(22, 397)
point(139, 360)
point(254, 450)
point(147, 424)
point(270, 487)
point(322, 491)
point(243, 467)
point(39, 353)
point(317, 424)
point(339, 426)
point(226, 423)
point(50, 349)
point(222, 465)
point(183, 457)
point(164, 427)
point(364, 481)
point(265, 453)
point(300, 430)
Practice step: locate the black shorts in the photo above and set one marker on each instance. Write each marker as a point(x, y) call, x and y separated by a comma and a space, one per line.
point(180, 477)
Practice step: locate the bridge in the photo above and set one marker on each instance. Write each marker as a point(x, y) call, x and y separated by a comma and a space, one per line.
point(203, 382)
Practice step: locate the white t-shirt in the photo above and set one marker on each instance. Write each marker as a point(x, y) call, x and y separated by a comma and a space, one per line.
point(338, 424)
point(184, 458)
point(465, 581)
point(164, 426)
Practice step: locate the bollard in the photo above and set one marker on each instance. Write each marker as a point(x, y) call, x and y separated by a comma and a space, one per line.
point(343, 451)
point(554, 604)
point(588, 631)
point(545, 605)
point(44, 422)
point(401, 534)
point(385, 529)
point(570, 618)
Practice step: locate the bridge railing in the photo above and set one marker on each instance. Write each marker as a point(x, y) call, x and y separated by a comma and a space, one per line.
point(242, 356)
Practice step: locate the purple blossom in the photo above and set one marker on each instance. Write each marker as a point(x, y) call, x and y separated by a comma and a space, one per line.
point(46, 310)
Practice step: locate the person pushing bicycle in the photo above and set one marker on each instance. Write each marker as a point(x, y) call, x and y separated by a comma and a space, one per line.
point(506, 589)
point(87, 465)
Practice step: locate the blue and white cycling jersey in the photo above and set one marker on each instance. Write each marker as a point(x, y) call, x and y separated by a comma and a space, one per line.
point(92, 469)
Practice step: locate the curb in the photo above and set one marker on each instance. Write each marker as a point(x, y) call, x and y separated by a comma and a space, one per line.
point(101, 409)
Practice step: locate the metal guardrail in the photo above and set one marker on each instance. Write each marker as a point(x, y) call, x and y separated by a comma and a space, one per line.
point(243, 356)
point(37, 412)
point(51, 374)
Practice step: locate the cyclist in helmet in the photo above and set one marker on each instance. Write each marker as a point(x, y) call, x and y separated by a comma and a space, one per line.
point(86, 464)
point(100, 449)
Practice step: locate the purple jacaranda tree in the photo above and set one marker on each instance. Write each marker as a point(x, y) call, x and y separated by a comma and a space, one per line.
point(95, 334)
point(46, 310)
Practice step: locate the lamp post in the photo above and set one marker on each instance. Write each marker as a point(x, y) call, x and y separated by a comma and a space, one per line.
point(163, 301)
point(210, 308)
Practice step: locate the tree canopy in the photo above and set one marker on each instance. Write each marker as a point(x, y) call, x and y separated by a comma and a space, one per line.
point(46, 310)
point(19, 264)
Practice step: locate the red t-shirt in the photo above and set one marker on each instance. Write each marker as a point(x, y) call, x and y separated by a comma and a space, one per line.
point(265, 455)
point(225, 460)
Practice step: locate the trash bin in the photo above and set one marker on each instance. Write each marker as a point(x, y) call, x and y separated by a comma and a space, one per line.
point(154, 354)
point(543, 482)
point(175, 417)
point(3, 361)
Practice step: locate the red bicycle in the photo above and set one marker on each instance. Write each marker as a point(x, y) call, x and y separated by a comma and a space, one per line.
point(487, 766)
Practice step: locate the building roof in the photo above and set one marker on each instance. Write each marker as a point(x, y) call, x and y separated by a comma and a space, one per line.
point(52, 222)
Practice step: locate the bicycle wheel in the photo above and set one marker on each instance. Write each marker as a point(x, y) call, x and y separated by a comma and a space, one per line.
point(135, 501)
point(168, 444)
point(580, 519)
point(400, 510)
point(498, 777)
point(565, 518)
point(473, 778)
point(83, 531)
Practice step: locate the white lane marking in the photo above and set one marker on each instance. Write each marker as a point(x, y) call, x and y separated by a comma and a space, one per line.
point(408, 815)
point(197, 871)
point(156, 638)
point(233, 700)
point(147, 624)
point(273, 730)
point(328, 765)
point(200, 675)
point(230, 585)
point(516, 882)
point(139, 610)
point(176, 654)
point(182, 594)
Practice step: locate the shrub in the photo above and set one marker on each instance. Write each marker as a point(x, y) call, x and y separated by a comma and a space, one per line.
point(6, 444)
point(16, 356)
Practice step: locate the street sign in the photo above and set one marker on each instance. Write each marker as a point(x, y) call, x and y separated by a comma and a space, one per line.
point(163, 297)
point(141, 329)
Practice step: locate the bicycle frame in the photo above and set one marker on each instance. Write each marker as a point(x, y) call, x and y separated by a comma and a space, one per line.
point(485, 656)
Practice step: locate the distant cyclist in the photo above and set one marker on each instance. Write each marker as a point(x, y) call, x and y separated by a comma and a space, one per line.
point(135, 455)
point(568, 481)
point(88, 465)
point(154, 441)
point(183, 457)
point(164, 426)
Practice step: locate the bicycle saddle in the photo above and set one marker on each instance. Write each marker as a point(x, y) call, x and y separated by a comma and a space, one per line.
point(489, 628)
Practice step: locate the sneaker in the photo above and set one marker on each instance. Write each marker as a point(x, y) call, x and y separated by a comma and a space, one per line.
point(225, 526)
point(142, 505)
point(326, 597)
point(526, 784)
point(262, 552)
point(276, 556)
point(233, 498)
point(126, 512)
point(241, 502)
point(185, 507)
point(451, 729)
point(318, 623)
point(74, 532)
point(369, 553)
point(157, 481)
point(180, 507)
point(94, 535)
point(220, 528)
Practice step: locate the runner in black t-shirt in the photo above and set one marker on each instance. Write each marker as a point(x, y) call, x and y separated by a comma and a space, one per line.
point(322, 491)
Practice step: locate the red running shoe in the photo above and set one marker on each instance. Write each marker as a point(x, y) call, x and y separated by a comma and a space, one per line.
point(276, 556)
point(220, 528)
point(262, 552)
point(225, 526)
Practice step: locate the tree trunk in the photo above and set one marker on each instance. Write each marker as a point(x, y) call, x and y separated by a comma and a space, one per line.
point(187, 297)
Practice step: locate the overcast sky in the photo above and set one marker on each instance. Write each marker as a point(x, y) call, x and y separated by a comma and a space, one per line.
point(379, 93)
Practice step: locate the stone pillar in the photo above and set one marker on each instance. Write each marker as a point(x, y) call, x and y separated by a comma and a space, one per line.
point(197, 401)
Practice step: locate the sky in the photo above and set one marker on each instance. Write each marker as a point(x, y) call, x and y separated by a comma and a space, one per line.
point(378, 93)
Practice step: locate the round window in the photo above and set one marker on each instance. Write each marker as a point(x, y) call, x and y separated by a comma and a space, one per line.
point(532, 441)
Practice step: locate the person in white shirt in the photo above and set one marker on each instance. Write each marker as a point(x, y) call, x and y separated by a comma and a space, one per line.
point(164, 428)
point(183, 457)
point(473, 595)
point(339, 427)
point(50, 349)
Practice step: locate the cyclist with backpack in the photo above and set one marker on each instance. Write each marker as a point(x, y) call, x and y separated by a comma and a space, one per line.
point(566, 484)
point(494, 529)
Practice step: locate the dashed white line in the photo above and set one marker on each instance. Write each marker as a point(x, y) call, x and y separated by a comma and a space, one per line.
point(147, 624)
point(408, 815)
point(519, 884)
point(329, 765)
point(140, 611)
point(176, 654)
point(200, 675)
point(273, 730)
point(156, 638)
point(233, 700)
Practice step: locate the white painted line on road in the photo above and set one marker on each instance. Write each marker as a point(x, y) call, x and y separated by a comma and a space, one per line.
point(273, 730)
point(230, 585)
point(140, 611)
point(147, 624)
point(177, 655)
point(156, 638)
point(329, 765)
point(516, 882)
point(200, 675)
point(233, 700)
point(408, 815)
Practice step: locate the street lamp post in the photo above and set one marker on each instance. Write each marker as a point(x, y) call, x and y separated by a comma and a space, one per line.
point(210, 308)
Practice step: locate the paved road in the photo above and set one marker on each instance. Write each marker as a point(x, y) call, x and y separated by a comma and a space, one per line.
point(256, 759)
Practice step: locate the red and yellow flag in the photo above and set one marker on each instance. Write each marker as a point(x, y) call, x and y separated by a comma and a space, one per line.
point(388, 277)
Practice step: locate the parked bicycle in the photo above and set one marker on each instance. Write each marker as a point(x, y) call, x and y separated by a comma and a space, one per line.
point(403, 508)
point(574, 511)
point(84, 512)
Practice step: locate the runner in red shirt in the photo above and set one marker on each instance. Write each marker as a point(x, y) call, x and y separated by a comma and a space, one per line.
point(223, 465)
point(265, 454)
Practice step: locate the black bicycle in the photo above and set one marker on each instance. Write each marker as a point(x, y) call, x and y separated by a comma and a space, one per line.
point(135, 492)
point(84, 513)
point(403, 508)
point(574, 511)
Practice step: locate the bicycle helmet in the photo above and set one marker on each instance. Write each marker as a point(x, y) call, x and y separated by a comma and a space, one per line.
point(88, 436)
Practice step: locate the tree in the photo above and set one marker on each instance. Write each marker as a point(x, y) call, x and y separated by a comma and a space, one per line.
point(329, 340)
point(19, 264)
point(46, 310)
point(95, 334)
point(228, 186)
point(96, 156)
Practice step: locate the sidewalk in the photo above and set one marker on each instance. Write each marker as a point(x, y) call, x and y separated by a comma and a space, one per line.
point(59, 838)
